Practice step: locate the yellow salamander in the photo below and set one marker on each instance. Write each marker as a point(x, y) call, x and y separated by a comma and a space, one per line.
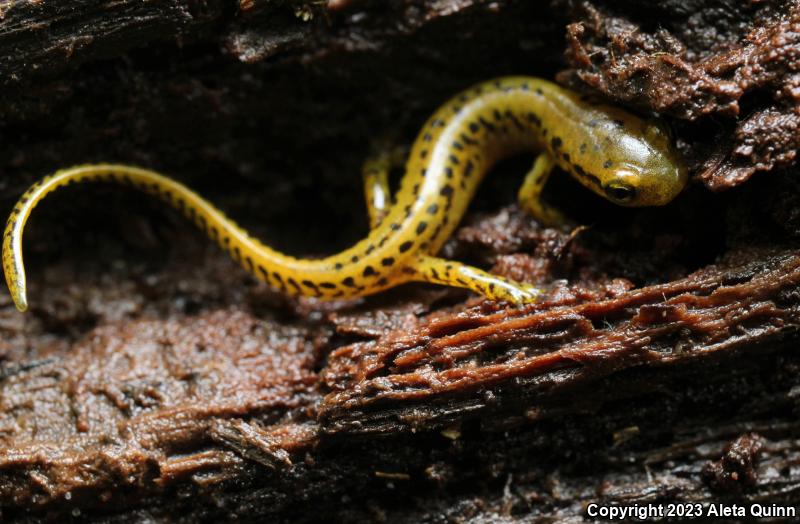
point(619, 156)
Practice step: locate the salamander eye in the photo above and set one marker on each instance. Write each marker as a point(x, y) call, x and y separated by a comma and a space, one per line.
point(622, 193)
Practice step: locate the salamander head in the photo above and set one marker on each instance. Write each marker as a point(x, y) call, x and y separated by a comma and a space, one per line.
point(639, 165)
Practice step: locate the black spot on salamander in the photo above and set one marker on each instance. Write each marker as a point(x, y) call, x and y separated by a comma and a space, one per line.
point(596, 148)
point(415, 189)
point(327, 285)
point(354, 259)
point(409, 270)
point(468, 169)
point(556, 142)
point(579, 170)
point(463, 97)
point(525, 86)
point(474, 127)
point(369, 271)
point(593, 179)
point(388, 261)
point(607, 164)
point(423, 154)
point(349, 282)
point(582, 149)
point(249, 263)
point(514, 120)
point(395, 227)
point(432, 209)
point(462, 282)
point(370, 249)
point(454, 160)
point(294, 284)
point(489, 127)
point(264, 272)
point(427, 137)
point(497, 115)
point(467, 140)
point(437, 122)
point(448, 172)
point(423, 171)
point(310, 285)
point(421, 227)
point(565, 156)
point(457, 145)
point(544, 132)
point(337, 266)
point(237, 254)
point(539, 91)
point(434, 273)
point(405, 246)
point(447, 191)
point(277, 276)
point(383, 241)
point(383, 281)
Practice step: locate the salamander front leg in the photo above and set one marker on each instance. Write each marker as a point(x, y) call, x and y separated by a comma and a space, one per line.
point(375, 173)
point(530, 194)
point(449, 273)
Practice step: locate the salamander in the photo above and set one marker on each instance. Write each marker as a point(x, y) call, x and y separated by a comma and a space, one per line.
point(621, 157)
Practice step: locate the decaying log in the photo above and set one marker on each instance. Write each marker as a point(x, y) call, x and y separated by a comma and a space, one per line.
point(550, 348)
point(153, 380)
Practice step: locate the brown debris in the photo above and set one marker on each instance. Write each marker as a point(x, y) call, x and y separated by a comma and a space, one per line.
point(736, 470)
point(766, 140)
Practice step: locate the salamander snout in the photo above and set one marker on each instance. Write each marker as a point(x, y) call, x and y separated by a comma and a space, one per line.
point(647, 170)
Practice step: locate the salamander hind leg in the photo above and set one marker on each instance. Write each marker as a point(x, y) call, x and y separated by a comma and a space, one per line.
point(375, 174)
point(530, 194)
point(449, 273)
